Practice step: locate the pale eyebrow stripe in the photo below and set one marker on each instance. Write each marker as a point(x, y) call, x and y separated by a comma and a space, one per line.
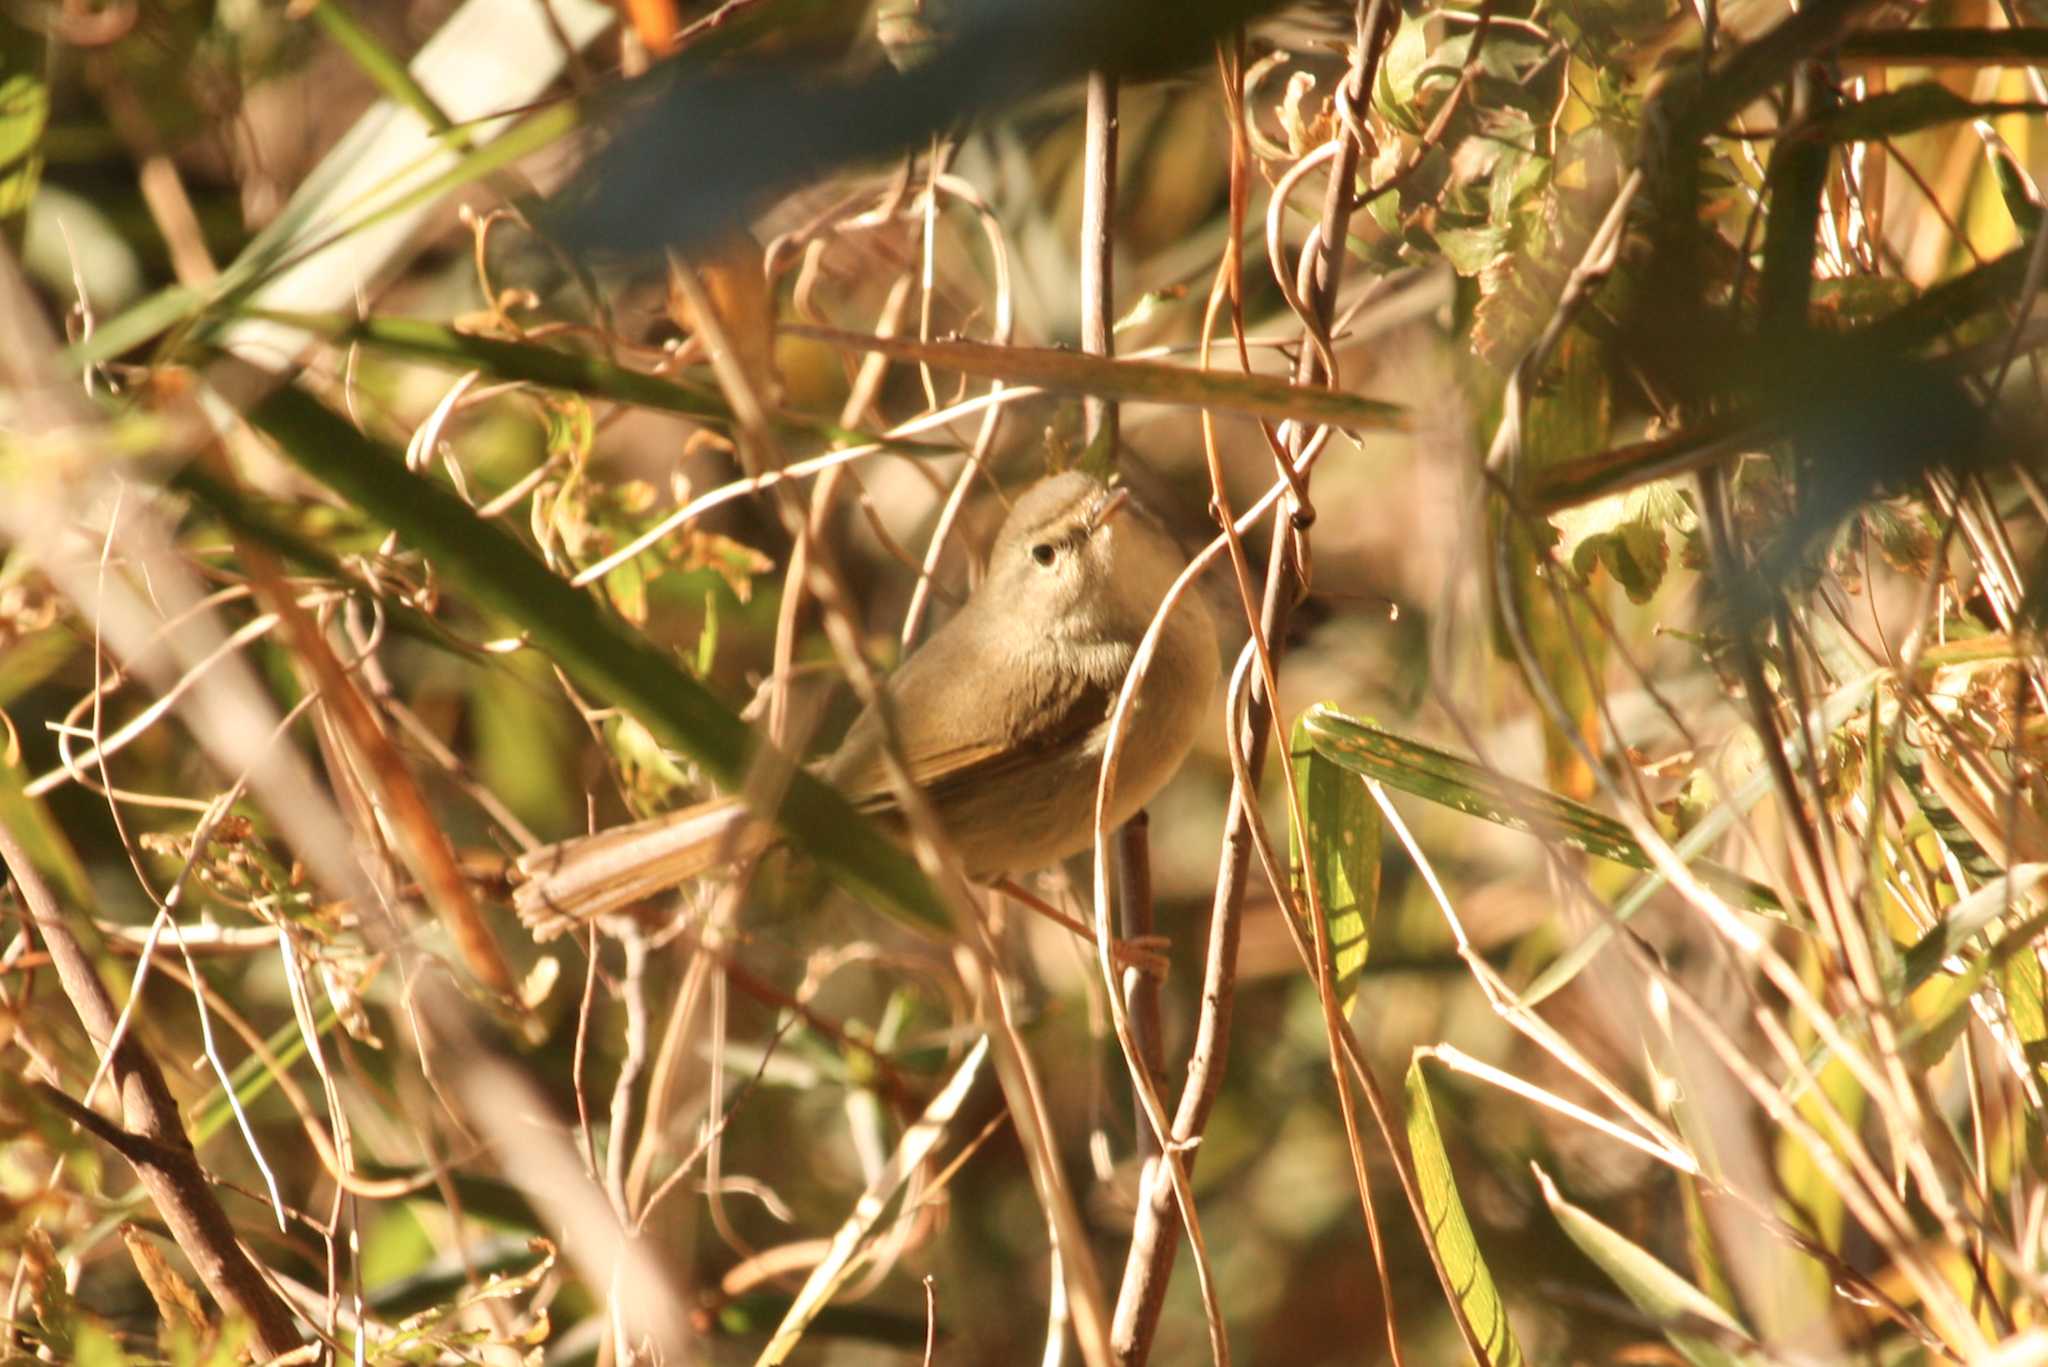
point(1064, 513)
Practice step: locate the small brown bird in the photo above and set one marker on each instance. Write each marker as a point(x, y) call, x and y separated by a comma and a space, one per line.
point(1001, 716)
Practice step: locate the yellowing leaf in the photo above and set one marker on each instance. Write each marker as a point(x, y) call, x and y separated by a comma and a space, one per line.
point(1343, 842)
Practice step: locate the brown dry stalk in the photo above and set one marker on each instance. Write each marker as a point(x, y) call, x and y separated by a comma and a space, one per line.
point(422, 842)
point(1154, 1241)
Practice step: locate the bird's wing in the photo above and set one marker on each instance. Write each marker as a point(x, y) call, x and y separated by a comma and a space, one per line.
point(962, 738)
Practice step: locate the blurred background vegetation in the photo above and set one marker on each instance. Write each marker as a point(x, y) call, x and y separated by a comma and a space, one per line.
point(394, 401)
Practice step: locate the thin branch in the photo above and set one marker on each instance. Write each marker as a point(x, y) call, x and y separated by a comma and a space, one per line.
point(151, 1136)
point(1154, 1241)
point(1098, 253)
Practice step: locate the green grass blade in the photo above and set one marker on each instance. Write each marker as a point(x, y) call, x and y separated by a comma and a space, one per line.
point(593, 377)
point(252, 1077)
point(839, 1262)
point(532, 134)
point(376, 61)
point(616, 665)
point(41, 835)
point(1965, 920)
point(1908, 109)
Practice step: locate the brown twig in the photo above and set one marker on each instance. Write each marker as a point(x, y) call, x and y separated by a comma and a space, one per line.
point(1141, 989)
point(1019, 1077)
point(1135, 958)
point(409, 817)
point(1155, 1237)
point(1099, 419)
point(151, 1136)
point(1154, 1242)
point(1098, 253)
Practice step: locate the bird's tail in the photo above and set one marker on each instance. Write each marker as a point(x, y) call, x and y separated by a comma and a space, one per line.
point(574, 880)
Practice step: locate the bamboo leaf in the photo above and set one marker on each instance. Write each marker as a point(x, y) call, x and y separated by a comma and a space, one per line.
point(1444, 778)
point(1834, 711)
point(1809, 1192)
point(591, 377)
point(1969, 917)
point(254, 1076)
point(1697, 1327)
point(1343, 842)
point(530, 135)
point(1907, 110)
point(2026, 998)
point(1479, 1299)
point(40, 834)
point(1948, 46)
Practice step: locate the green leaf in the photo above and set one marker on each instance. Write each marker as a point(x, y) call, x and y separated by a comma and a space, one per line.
point(386, 68)
point(311, 536)
point(1401, 71)
point(618, 666)
point(524, 735)
point(1965, 920)
point(592, 377)
point(297, 234)
point(1444, 778)
point(1574, 412)
point(40, 834)
point(1910, 761)
point(31, 658)
point(253, 1076)
point(1343, 842)
point(1471, 250)
point(1941, 1014)
point(2026, 999)
point(1696, 1325)
point(1949, 306)
point(1814, 1199)
point(280, 245)
point(2022, 198)
point(1625, 534)
point(707, 638)
point(1479, 1300)
point(1907, 110)
point(24, 113)
point(96, 1346)
point(449, 1280)
point(1516, 292)
point(1707, 1263)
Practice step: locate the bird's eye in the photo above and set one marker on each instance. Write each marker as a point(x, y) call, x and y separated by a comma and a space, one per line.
point(1043, 553)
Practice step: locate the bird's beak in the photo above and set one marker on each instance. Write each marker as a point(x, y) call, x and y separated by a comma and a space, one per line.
point(1111, 506)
